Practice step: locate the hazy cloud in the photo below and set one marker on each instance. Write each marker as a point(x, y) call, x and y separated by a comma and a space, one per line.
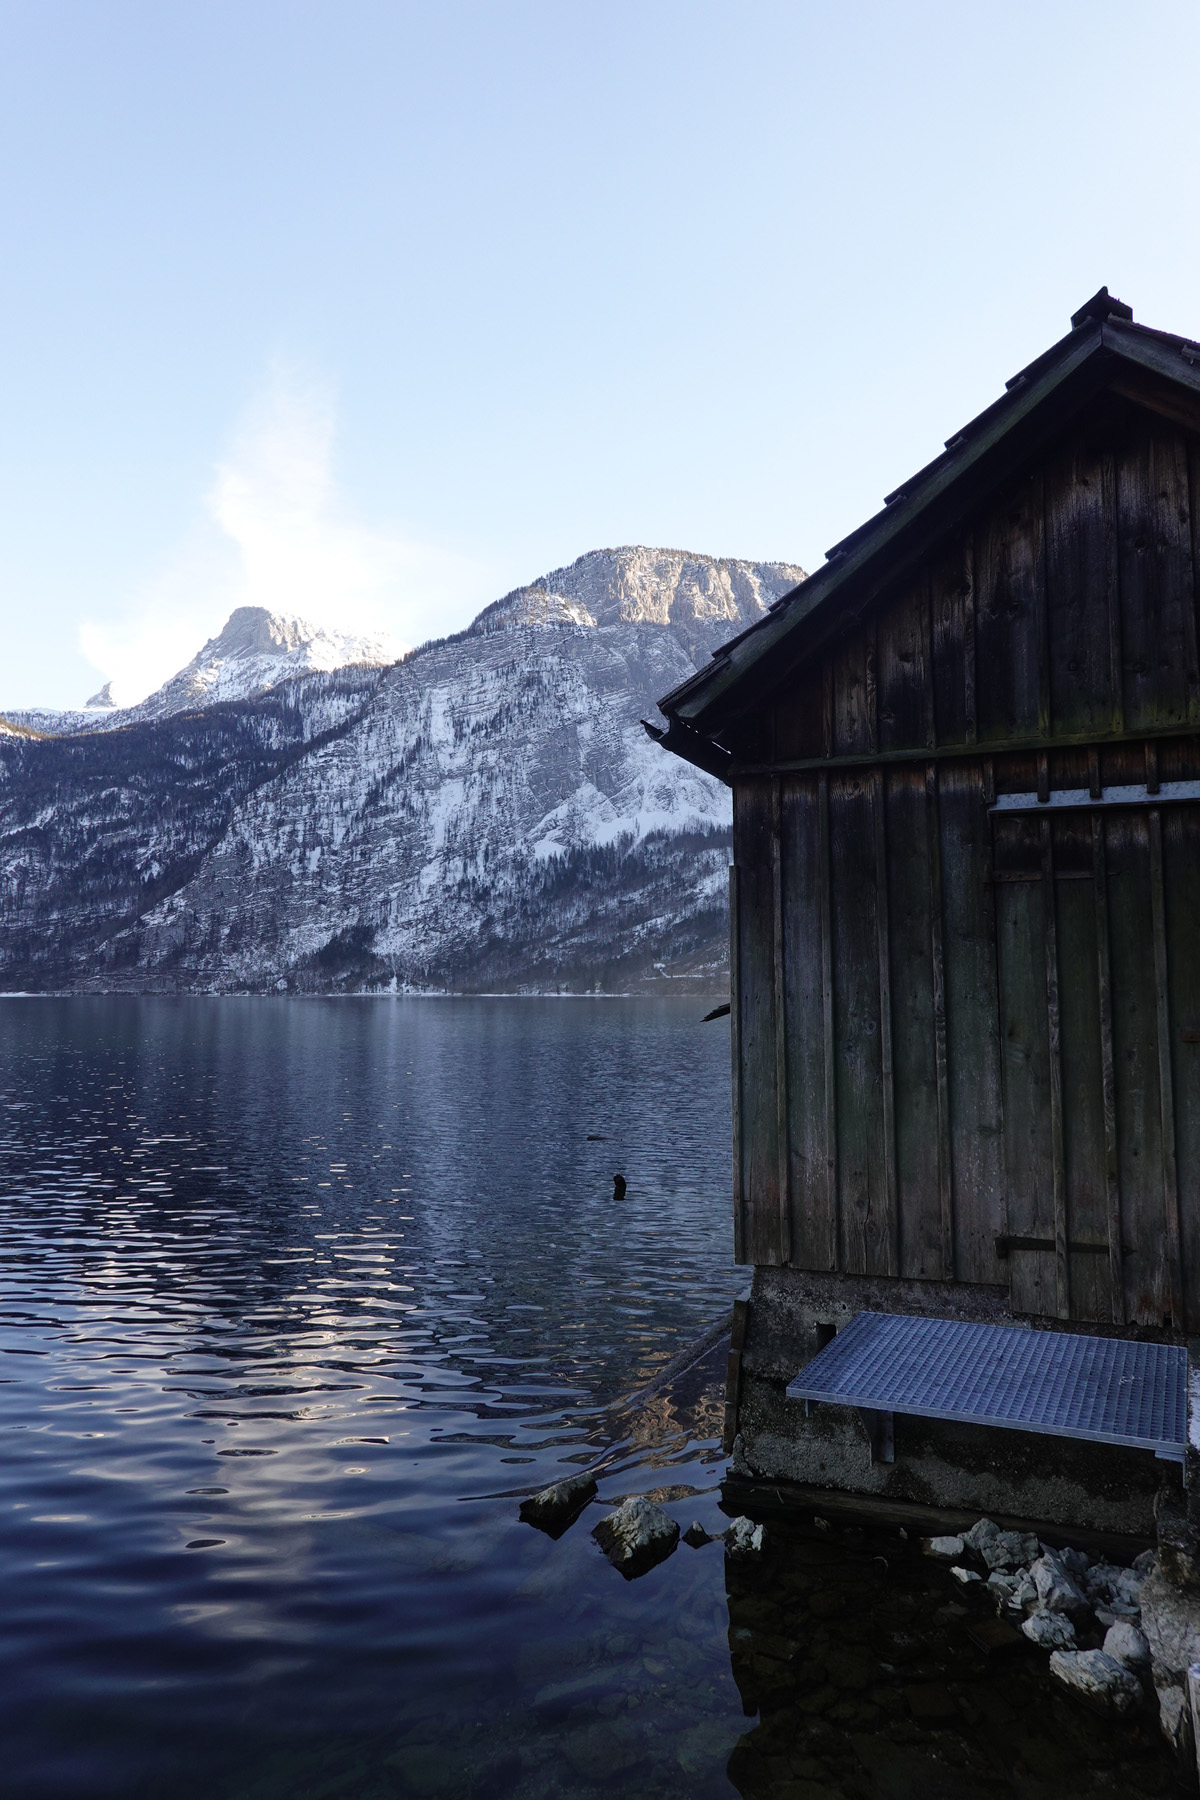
point(276, 533)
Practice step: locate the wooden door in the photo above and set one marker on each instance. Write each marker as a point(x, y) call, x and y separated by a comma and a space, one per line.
point(1096, 941)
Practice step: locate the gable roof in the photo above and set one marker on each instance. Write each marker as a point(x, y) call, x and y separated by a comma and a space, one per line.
point(1104, 349)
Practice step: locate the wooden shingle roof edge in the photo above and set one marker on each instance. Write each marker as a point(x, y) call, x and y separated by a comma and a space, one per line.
point(1104, 347)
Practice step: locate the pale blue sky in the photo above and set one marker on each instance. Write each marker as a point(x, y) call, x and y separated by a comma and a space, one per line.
point(376, 310)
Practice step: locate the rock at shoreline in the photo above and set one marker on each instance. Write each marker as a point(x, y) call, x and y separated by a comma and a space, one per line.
point(1057, 1591)
point(696, 1536)
point(946, 1548)
point(1049, 1630)
point(559, 1506)
point(1127, 1644)
point(744, 1538)
point(1097, 1679)
point(636, 1536)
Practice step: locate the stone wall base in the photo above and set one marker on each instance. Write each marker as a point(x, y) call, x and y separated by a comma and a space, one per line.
point(1062, 1481)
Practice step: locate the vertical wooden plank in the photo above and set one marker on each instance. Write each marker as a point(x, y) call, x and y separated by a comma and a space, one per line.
point(812, 1245)
point(952, 680)
point(1022, 925)
point(945, 1162)
point(1158, 614)
point(1112, 1172)
point(914, 1111)
point(890, 1225)
point(828, 1005)
point(735, 1054)
point(1172, 1281)
point(759, 1118)
point(973, 1033)
point(1112, 590)
point(905, 687)
point(1082, 1073)
point(781, 1067)
point(1135, 1065)
point(1009, 587)
point(1062, 1292)
point(854, 693)
point(1079, 692)
point(1181, 880)
point(862, 1198)
point(971, 647)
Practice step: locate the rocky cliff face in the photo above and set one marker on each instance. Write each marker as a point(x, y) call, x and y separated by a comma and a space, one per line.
point(486, 815)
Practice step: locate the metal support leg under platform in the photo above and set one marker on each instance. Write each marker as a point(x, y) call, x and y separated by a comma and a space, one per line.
point(1106, 1390)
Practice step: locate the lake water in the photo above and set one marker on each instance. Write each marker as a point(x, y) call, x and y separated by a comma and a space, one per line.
point(291, 1292)
point(297, 1298)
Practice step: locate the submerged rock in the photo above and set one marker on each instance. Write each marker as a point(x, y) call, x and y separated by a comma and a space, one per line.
point(559, 1506)
point(1097, 1679)
point(744, 1538)
point(1049, 1630)
point(636, 1536)
point(1124, 1641)
point(947, 1547)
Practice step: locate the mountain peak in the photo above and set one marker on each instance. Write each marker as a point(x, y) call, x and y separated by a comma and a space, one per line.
point(635, 584)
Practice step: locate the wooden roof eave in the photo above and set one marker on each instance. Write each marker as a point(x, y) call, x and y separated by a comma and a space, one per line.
point(986, 452)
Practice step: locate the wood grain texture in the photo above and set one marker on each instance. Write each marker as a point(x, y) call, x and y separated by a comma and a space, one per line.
point(1058, 1166)
point(784, 1173)
point(915, 1112)
point(1010, 614)
point(1022, 916)
point(813, 1238)
point(753, 818)
point(1154, 555)
point(1181, 871)
point(735, 1073)
point(973, 1034)
point(1172, 1280)
point(1080, 608)
point(862, 1180)
point(1135, 1063)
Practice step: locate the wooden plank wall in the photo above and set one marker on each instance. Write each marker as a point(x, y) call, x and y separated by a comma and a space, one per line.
point(947, 1036)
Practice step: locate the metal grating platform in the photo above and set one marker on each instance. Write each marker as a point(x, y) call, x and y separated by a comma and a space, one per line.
point(1107, 1390)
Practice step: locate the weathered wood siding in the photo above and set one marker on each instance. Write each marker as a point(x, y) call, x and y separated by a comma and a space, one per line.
point(967, 1043)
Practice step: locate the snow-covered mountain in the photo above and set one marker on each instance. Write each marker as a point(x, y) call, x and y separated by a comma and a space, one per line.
point(255, 651)
point(486, 814)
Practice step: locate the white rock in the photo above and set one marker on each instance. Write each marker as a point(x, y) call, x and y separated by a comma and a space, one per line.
point(1002, 1587)
point(1074, 1561)
point(1173, 1716)
point(1009, 1549)
point(947, 1547)
point(1049, 1630)
point(981, 1533)
point(1098, 1679)
point(1056, 1590)
point(1117, 1590)
point(744, 1538)
point(966, 1576)
point(1145, 1563)
point(637, 1535)
point(1127, 1644)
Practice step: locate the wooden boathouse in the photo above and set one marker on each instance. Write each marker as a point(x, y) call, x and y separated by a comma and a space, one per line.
point(965, 938)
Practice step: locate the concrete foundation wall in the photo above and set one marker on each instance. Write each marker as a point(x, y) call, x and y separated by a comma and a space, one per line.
point(1059, 1480)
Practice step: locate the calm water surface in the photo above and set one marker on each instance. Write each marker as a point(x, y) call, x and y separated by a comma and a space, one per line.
point(296, 1299)
point(295, 1296)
